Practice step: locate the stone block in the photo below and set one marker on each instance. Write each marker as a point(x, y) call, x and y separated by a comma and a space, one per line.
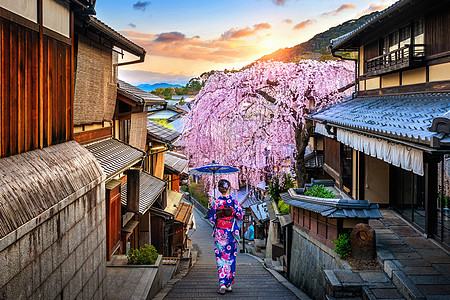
point(48, 234)
point(362, 240)
point(13, 256)
point(405, 286)
point(68, 269)
point(26, 280)
point(79, 256)
point(4, 278)
point(373, 276)
point(14, 288)
point(74, 237)
point(46, 263)
point(389, 266)
point(26, 255)
point(37, 278)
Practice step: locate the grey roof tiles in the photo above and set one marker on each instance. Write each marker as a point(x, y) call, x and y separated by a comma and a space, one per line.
point(175, 162)
point(405, 117)
point(161, 133)
point(150, 187)
point(136, 94)
point(114, 156)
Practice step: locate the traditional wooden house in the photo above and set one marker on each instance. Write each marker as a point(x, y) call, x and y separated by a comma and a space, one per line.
point(389, 142)
point(175, 168)
point(52, 199)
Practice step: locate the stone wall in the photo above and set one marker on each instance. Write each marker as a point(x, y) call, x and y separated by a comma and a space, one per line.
point(309, 259)
point(52, 200)
point(63, 257)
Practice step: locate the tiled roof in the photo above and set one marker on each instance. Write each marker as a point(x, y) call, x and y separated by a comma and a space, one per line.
point(342, 208)
point(114, 156)
point(119, 40)
point(161, 133)
point(335, 43)
point(260, 211)
point(136, 94)
point(175, 162)
point(183, 212)
point(150, 187)
point(406, 117)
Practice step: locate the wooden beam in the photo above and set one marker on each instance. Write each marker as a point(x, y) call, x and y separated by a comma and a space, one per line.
point(435, 86)
point(87, 137)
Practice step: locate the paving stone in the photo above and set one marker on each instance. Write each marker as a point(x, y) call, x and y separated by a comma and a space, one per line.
point(347, 276)
point(404, 248)
point(420, 271)
point(435, 256)
point(409, 255)
point(414, 263)
point(373, 276)
point(429, 279)
point(404, 231)
point(386, 293)
point(387, 236)
point(420, 242)
point(434, 289)
point(444, 269)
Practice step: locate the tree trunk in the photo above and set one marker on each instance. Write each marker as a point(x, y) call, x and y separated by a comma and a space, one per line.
point(302, 135)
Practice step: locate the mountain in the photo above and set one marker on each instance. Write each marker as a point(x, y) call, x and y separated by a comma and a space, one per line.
point(316, 48)
point(152, 87)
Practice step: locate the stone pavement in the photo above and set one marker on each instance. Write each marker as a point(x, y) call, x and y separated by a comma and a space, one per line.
point(252, 280)
point(418, 267)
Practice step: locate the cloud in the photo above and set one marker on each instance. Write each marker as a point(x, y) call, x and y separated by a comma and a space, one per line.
point(338, 10)
point(138, 77)
point(374, 7)
point(141, 5)
point(170, 37)
point(132, 25)
point(303, 24)
point(287, 21)
point(236, 33)
point(228, 48)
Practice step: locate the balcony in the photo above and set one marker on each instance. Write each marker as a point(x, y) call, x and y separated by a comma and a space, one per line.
point(402, 58)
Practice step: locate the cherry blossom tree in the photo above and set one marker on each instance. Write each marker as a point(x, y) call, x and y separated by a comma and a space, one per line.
point(257, 119)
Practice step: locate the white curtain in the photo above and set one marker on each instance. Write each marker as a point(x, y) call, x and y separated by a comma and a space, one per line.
point(398, 155)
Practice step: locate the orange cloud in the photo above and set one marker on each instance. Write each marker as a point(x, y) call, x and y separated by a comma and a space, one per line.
point(287, 21)
point(374, 7)
point(236, 33)
point(338, 10)
point(303, 24)
point(230, 47)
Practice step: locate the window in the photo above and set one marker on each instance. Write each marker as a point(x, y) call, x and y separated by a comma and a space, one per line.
point(418, 32)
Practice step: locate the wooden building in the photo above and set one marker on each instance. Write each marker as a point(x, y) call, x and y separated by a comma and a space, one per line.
point(175, 168)
point(52, 189)
point(390, 142)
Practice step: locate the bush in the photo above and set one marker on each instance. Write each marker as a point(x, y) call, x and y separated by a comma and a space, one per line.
point(196, 191)
point(283, 207)
point(146, 255)
point(342, 245)
point(280, 184)
point(319, 191)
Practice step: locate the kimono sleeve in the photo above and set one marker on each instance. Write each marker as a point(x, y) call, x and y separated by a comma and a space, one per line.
point(239, 213)
point(212, 214)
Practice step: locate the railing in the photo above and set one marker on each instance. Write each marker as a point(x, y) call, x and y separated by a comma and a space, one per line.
point(407, 56)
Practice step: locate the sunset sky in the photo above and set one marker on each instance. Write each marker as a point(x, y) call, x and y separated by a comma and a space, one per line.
point(186, 38)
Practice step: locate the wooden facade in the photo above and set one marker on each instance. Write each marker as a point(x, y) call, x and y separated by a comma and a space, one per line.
point(36, 88)
point(113, 217)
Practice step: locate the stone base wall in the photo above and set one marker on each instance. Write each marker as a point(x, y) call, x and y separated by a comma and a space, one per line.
point(309, 259)
point(62, 254)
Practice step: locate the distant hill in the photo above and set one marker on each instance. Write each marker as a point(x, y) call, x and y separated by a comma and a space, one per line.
point(316, 48)
point(152, 87)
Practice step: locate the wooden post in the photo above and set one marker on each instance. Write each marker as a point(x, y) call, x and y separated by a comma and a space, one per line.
point(133, 190)
point(431, 187)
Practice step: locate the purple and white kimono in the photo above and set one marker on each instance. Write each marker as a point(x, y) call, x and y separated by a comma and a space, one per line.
point(225, 246)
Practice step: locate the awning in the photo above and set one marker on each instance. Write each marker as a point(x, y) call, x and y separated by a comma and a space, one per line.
point(175, 162)
point(173, 201)
point(114, 156)
point(285, 220)
point(150, 187)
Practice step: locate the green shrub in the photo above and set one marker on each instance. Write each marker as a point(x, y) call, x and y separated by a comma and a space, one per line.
point(283, 207)
point(146, 255)
point(319, 191)
point(280, 184)
point(342, 245)
point(197, 192)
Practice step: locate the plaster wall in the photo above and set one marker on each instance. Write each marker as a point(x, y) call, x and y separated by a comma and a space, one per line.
point(62, 256)
point(414, 76)
point(390, 80)
point(56, 16)
point(439, 72)
point(23, 8)
point(373, 83)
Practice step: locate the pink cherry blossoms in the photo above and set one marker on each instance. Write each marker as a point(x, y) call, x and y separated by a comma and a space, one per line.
point(248, 119)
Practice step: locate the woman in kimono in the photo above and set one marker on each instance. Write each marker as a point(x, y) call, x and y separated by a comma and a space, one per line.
point(226, 215)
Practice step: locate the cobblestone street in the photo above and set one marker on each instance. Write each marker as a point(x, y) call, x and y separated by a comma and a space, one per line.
point(252, 280)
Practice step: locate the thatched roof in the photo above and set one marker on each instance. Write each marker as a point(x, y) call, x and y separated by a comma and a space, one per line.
point(34, 181)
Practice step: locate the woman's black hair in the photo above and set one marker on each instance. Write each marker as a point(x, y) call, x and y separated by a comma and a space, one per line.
point(223, 185)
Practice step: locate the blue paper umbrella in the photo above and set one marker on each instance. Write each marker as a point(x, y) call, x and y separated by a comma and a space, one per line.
point(213, 169)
